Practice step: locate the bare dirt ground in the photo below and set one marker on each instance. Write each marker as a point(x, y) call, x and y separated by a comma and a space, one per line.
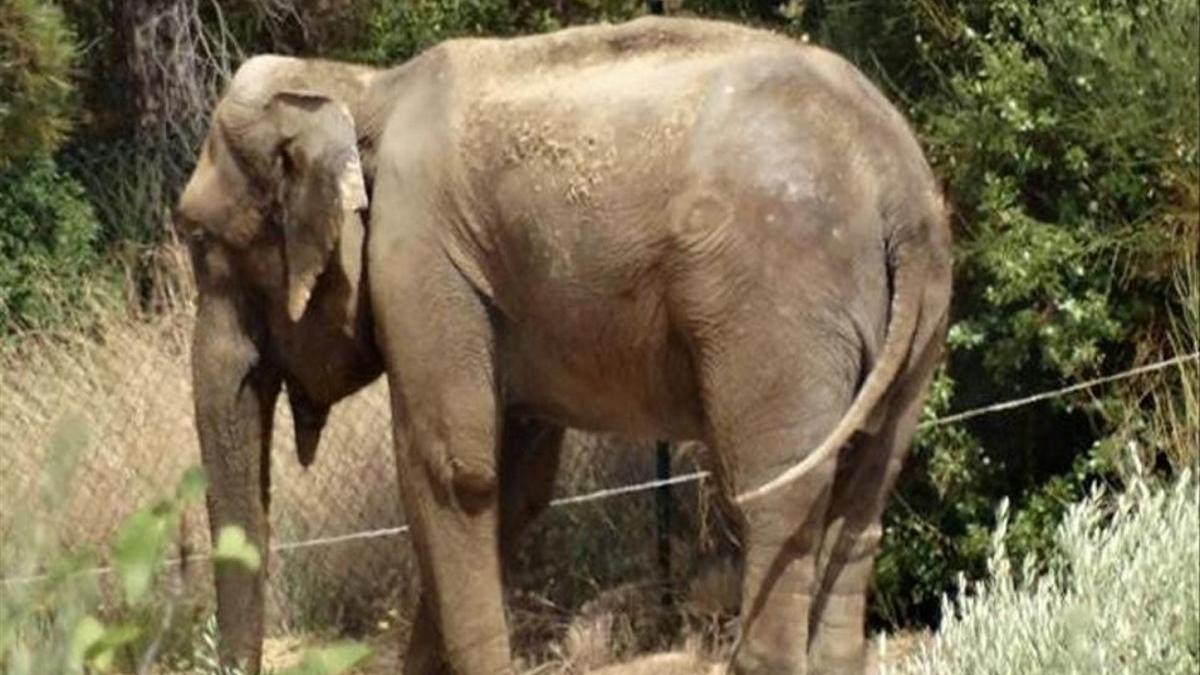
point(385, 660)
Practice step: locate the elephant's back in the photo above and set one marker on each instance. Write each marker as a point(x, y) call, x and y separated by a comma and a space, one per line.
point(580, 48)
point(622, 79)
point(645, 96)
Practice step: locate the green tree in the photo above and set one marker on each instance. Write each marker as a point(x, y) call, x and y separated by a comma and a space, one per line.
point(37, 50)
point(48, 256)
point(1067, 136)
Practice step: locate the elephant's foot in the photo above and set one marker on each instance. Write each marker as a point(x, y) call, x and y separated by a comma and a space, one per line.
point(847, 658)
point(754, 660)
point(837, 645)
point(424, 655)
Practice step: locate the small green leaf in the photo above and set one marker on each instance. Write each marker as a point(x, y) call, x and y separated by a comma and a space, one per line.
point(101, 654)
point(192, 486)
point(331, 660)
point(88, 632)
point(233, 547)
point(123, 634)
point(139, 549)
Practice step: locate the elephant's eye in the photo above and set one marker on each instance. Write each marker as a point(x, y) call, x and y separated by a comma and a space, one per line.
point(185, 227)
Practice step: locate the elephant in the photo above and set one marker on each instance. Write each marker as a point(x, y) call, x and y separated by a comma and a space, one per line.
point(665, 228)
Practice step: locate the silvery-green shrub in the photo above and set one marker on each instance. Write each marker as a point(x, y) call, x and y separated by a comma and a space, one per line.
point(1121, 597)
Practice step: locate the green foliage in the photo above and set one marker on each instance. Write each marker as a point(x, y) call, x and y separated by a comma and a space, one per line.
point(48, 256)
point(330, 660)
point(51, 622)
point(233, 547)
point(394, 31)
point(399, 30)
point(1067, 136)
point(53, 617)
point(141, 543)
point(1120, 595)
point(37, 50)
point(1061, 144)
point(94, 646)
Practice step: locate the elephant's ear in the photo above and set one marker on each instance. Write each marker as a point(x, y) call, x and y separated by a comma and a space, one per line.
point(322, 189)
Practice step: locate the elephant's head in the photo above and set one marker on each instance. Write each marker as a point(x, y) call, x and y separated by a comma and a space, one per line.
point(274, 210)
point(274, 214)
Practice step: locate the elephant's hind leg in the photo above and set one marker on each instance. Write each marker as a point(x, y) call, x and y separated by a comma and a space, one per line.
point(528, 465)
point(864, 480)
point(770, 399)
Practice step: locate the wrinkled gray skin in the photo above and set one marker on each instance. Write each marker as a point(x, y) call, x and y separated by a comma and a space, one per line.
point(667, 228)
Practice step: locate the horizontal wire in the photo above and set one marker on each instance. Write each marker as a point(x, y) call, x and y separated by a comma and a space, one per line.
point(1056, 393)
point(630, 489)
point(695, 476)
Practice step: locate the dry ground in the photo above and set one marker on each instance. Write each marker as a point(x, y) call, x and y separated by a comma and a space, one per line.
point(116, 413)
point(689, 659)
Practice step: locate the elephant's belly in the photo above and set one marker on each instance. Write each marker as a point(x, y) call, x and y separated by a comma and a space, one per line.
point(611, 371)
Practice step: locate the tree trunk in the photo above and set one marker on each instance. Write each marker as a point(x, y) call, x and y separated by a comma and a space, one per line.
point(175, 65)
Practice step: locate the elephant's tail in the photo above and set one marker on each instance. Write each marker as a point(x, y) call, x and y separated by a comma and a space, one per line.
point(909, 262)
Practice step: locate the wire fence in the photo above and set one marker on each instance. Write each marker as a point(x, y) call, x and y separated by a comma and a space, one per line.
point(91, 429)
point(132, 181)
point(377, 414)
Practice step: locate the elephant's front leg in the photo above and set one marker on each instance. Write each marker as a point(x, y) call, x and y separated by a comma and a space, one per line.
point(529, 457)
point(451, 497)
point(437, 342)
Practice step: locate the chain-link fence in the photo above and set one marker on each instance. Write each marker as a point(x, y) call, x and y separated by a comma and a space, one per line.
point(132, 181)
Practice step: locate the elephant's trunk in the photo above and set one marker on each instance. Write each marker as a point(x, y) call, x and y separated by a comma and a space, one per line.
point(235, 399)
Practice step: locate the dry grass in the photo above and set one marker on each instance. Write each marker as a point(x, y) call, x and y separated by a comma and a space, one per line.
point(126, 384)
point(132, 394)
point(1158, 416)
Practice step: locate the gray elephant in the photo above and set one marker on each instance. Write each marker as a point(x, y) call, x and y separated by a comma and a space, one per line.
point(665, 229)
